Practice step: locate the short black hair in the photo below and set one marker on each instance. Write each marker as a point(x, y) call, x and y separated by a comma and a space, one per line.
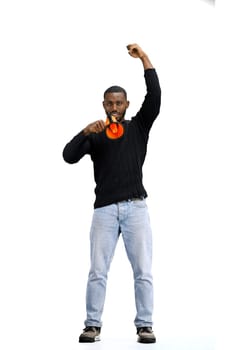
point(115, 88)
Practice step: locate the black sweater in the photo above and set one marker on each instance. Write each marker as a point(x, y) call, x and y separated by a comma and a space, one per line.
point(118, 163)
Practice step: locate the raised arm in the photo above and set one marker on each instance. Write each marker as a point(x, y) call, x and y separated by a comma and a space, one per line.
point(151, 105)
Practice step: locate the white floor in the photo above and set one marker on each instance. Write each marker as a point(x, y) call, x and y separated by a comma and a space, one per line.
point(176, 343)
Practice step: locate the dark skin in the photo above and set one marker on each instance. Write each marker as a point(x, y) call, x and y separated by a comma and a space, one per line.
point(115, 102)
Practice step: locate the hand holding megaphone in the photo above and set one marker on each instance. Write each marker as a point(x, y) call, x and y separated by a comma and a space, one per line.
point(112, 127)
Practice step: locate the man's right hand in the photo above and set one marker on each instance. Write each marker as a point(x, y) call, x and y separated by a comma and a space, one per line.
point(95, 127)
point(135, 51)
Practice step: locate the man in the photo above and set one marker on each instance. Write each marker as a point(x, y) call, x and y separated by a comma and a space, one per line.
point(120, 205)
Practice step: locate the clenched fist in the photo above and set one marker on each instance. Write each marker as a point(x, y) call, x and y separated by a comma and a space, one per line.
point(94, 127)
point(135, 51)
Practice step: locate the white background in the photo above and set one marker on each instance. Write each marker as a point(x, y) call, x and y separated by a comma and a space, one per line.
point(57, 58)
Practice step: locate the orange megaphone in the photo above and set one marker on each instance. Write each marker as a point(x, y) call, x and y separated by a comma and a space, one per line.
point(114, 129)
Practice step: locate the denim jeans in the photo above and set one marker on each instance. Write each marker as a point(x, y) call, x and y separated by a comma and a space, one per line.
point(131, 219)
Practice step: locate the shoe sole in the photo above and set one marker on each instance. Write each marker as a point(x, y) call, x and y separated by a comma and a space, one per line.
point(146, 341)
point(89, 339)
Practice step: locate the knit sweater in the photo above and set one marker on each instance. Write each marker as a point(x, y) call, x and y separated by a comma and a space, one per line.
point(118, 162)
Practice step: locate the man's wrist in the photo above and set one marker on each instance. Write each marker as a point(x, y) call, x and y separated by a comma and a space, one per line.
point(86, 131)
point(146, 62)
point(143, 56)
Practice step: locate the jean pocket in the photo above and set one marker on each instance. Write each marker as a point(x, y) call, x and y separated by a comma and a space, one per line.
point(139, 203)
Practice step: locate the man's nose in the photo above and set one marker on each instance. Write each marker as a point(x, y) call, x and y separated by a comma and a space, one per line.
point(114, 107)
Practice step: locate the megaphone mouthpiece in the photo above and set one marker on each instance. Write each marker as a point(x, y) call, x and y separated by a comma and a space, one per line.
point(114, 129)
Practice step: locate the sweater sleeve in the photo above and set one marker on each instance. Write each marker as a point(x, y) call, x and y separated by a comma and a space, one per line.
point(151, 104)
point(76, 148)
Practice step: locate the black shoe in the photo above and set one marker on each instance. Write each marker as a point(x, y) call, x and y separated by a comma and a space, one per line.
point(145, 335)
point(90, 335)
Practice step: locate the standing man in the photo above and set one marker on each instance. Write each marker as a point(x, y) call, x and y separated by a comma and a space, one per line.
point(120, 205)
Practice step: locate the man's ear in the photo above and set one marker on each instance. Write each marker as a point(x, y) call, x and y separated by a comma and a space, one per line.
point(103, 106)
point(127, 104)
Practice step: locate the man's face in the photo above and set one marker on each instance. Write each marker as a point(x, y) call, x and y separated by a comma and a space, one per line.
point(116, 104)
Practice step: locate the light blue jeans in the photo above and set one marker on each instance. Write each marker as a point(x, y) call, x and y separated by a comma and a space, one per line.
point(131, 219)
